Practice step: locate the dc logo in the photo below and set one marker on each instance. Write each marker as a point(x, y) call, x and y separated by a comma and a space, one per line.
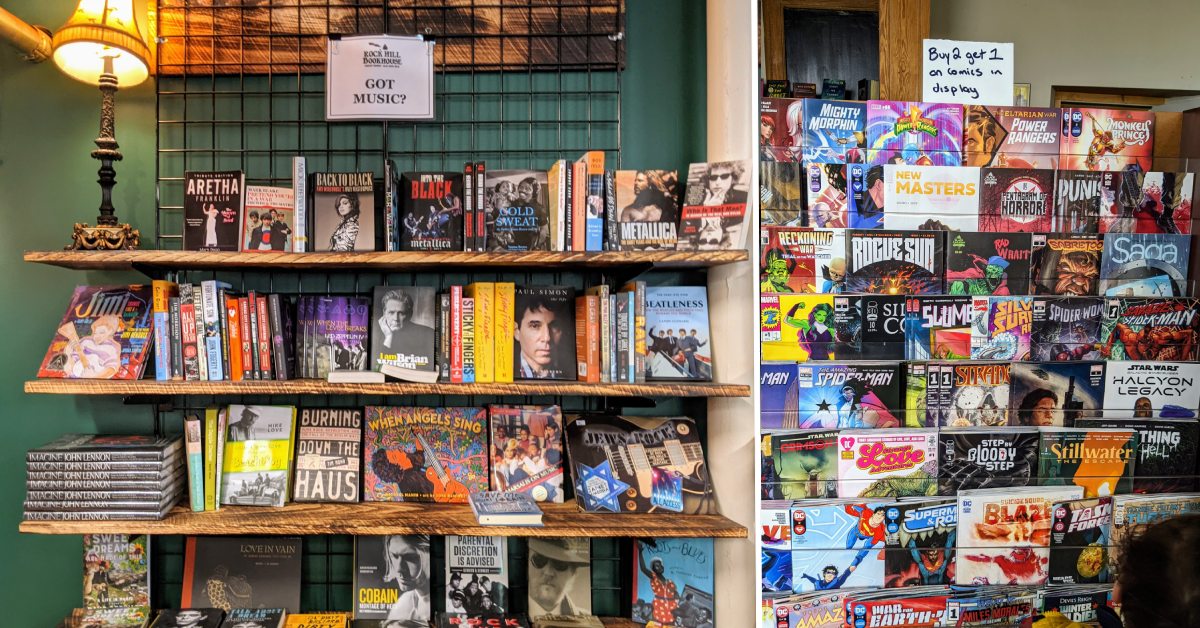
point(893, 513)
point(860, 611)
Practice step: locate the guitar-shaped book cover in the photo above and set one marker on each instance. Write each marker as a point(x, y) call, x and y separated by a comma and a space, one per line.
point(424, 454)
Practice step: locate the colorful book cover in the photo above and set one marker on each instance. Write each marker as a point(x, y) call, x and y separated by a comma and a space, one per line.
point(988, 263)
point(1066, 328)
point(1078, 604)
point(1101, 461)
point(317, 620)
point(870, 207)
point(344, 333)
point(516, 212)
point(780, 130)
point(931, 198)
point(647, 209)
point(1055, 393)
point(914, 133)
point(1144, 265)
point(916, 385)
point(1081, 197)
point(1166, 452)
point(431, 211)
point(1016, 199)
point(895, 262)
point(638, 464)
point(892, 463)
point(343, 212)
point(1012, 137)
point(1066, 264)
point(805, 463)
point(972, 458)
point(527, 450)
point(258, 455)
point(328, 455)
point(714, 207)
point(105, 334)
point(1169, 390)
point(1079, 538)
point(938, 327)
point(116, 571)
point(212, 210)
point(925, 610)
point(829, 539)
point(796, 327)
point(675, 579)
point(1106, 139)
point(851, 395)
point(833, 191)
point(978, 395)
point(678, 341)
point(1004, 534)
point(847, 328)
point(1001, 328)
point(269, 219)
point(392, 578)
point(235, 573)
point(1132, 513)
point(919, 546)
point(424, 454)
point(1151, 202)
point(402, 332)
point(776, 570)
point(1164, 329)
point(788, 262)
point(779, 391)
point(544, 332)
point(833, 130)
point(477, 575)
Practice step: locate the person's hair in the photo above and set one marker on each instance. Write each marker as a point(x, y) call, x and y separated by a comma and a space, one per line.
point(533, 184)
point(836, 173)
point(253, 214)
point(1032, 399)
point(531, 303)
point(406, 301)
point(737, 167)
point(354, 211)
point(1158, 574)
point(829, 568)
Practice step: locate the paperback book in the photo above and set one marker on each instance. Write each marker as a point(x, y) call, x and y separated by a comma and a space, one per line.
point(105, 334)
point(1144, 265)
point(1159, 329)
point(892, 463)
point(789, 259)
point(938, 327)
point(895, 262)
point(832, 130)
point(1166, 452)
point(116, 571)
point(1001, 328)
point(1107, 139)
point(714, 207)
point(1168, 390)
point(931, 198)
point(1016, 200)
point(796, 328)
point(258, 457)
point(1004, 534)
point(1066, 329)
point(424, 454)
point(402, 332)
point(1066, 264)
point(914, 133)
point(560, 576)
point(647, 209)
point(688, 354)
point(1079, 537)
point(1151, 202)
point(391, 579)
point(837, 545)
point(978, 394)
point(1081, 197)
point(269, 219)
point(212, 210)
point(517, 215)
point(189, 618)
point(477, 575)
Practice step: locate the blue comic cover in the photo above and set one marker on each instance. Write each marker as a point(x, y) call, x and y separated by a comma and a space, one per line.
point(937, 328)
point(852, 395)
point(674, 583)
point(835, 131)
point(1001, 328)
point(778, 393)
point(776, 570)
point(920, 543)
point(1144, 265)
point(838, 545)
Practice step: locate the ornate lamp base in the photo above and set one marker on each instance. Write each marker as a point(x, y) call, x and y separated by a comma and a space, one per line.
point(103, 237)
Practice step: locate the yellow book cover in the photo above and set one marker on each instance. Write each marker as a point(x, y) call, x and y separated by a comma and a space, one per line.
point(317, 620)
point(796, 327)
point(259, 450)
point(503, 337)
point(484, 294)
point(210, 458)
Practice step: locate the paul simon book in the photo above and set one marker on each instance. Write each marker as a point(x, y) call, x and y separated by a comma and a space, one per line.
point(424, 454)
point(105, 334)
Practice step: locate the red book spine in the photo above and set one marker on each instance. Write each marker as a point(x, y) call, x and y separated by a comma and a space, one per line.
point(246, 349)
point(264, 338)
point(233, 315)
point(480, 214)
point(456, 343)
point(469, 209)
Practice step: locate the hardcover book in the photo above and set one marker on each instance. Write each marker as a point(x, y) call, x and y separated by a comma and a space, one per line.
point(914, 133)
point(560, 576)
point(1004, 534)
point(1166, 451)
point(431, 211)
point(1101, 461)
point(1150, 329)
point(544, 338)
point(105, 334)
point(1066, 264)
point(972, 458)
point(851, 395)
point(1081, 197)
point(988, 263)
point(830, 539)
point(1169, 390)
point(269, 219)
point(1144, 265)
point(688, 354)
point(517, 214)
point(638, 464)
point(527, 450)
point(391, 579)
point(919, 546)
point(1107, 139)
point(938, 327)
point(1020, 200)
point(892, 463)
point(109, 448)
point(212, 210)
point(424, 454)
point(714, 207)
point(647, 209)
point(931, 198)
point(1079, 538)
point(328, 455)
point(1055, 393)
point(805, 464)
point(189, 618)
point(1151, 202)
point(258, 455)
point(1001, 328)
point(507, 509)
point(674, 582)
point(895, 262)
point(403, 329)
point(1012, 137)
point(343, 212)
point(477, 575)
point(230, 572)
point(116, 571)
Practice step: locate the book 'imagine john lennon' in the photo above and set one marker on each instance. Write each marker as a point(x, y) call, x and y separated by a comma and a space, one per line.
point(105, 334)
point(229, 572)
point(424, 454)
point(527, 450)
point(212, 210)
point(328, 455)
point(391, 579)
point(116, 570)
point(678, 342)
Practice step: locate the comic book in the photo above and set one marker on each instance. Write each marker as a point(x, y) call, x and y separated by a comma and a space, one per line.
point(1145, 265)
point(781, 194)
point(687, 565)
point(834, 130)
point(1066, 328)
point(1055, 393)
point(796, 328)
point(881, 325)
point(1079, 541)
point(920, 543)
point(779, 391)
point(833, 191)
point(780, 129)
point(777, 569)
point(1081, 197)
point(1106, 139)
point(829, 260)
point(972, 458)
point(837, 535)
point(527, 450)
point(1011, 137)
point(895, 262)
point(938, 327)
point(931, 198)
point(788, 262)
point(1004, 534)
point(1168, 390)
point(988, 263)
point(1150, 329)
point(424, 454)
point(847, 327)
point(1001, 328)
point(1065, 264)
point(806, 463)
point(923, 608)
point(1166, 452)
point(638, 464)
point(1132, 513)
point(1101, 461)
point(850, 395)
point(1016, 199)
point(1077, 603)
point(978, 395)
point(892, 463)
point(914, 133)
point(916, 383)
point(815, 610)
point(105, 334)
point(1151, 202)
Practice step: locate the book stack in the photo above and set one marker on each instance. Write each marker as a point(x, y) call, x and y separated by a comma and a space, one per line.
point(95, 477)
point(240, 455)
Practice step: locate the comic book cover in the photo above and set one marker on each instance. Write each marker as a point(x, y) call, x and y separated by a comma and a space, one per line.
point(829, 195)
point(424, 454)
point(1166, 452)
point(914, 133)
point(779, 393)
point(682, 565)
point(926, 609)
point(1066, 329)
point(806, 463)
point(1106, 139)
point(781, 194)
point(1011, 137)
point(881, 325)
point(893, 463)
point(895, 262)
point(1169, 390)
point(647, 210)
point(870, 209)
point(788, 262)
point(829, 539)
point(1066, 263)
point(1001, 328)
point(527, 450)
point(931, 198)
point(776, 570)
point(105, 334)
point(834, 130)
point(818, 611)
point(638, 464)
point(780, 133)
point(1163, 329)
point(1081, 197)
point(829, 260)
point(847, 327)
point(979, 394)
point(920, 543)
point(851, 395)
point(915, 386)
point(988, 263)
point(431, 211)
point(796, 327)
point(1132, 513)
point(1079, 535)
point(972, 458)
point(1151, 202)
point(1016, 199)
point(1004, 534)
point(116, 570)
point(1055, 393)
point(938, 327)
point(1144, 265)
point(1101, 461)
point(1078, 604)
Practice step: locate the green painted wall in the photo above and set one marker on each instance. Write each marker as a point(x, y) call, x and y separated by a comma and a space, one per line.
point(47, 123)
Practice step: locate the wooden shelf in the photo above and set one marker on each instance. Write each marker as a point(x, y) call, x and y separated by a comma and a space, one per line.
point(400, 518)
point(319, 387)
point(399, 261)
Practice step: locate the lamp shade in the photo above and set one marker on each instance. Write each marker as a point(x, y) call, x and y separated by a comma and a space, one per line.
point(100, 30)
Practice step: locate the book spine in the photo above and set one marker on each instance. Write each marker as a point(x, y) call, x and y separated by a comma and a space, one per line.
point(176, 341)
point(233, 316)
point(480, 214)
point(390, 241)
point(638, 305)
point(187, 316)
point(195, 462)
point(161, 308)
point(252, 318)
point(614, 351)
point(300, 205)
point(593, 211)
point(223, 318)
point(624, 320)
point(468, 340)
point(278, 349)
point(210, 458)
point(264, 337)
point(593, 339)
point(568, 206)
point(581, 331)
point(605, 336)
point(103, 485)
point(502, 336)
point(612, 233)
point(222, 424)
point(469, 208)
point(201, 333)
point(560, 223)
point(456, 348)
point(443, 331)
point(249, 370)
point(579, 206)
point(484, 294)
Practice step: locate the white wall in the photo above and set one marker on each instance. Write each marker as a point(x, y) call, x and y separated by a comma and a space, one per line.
point(1095, 43)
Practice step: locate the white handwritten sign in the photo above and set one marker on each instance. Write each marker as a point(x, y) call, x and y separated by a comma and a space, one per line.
point(379, 77)
point(967, 72)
